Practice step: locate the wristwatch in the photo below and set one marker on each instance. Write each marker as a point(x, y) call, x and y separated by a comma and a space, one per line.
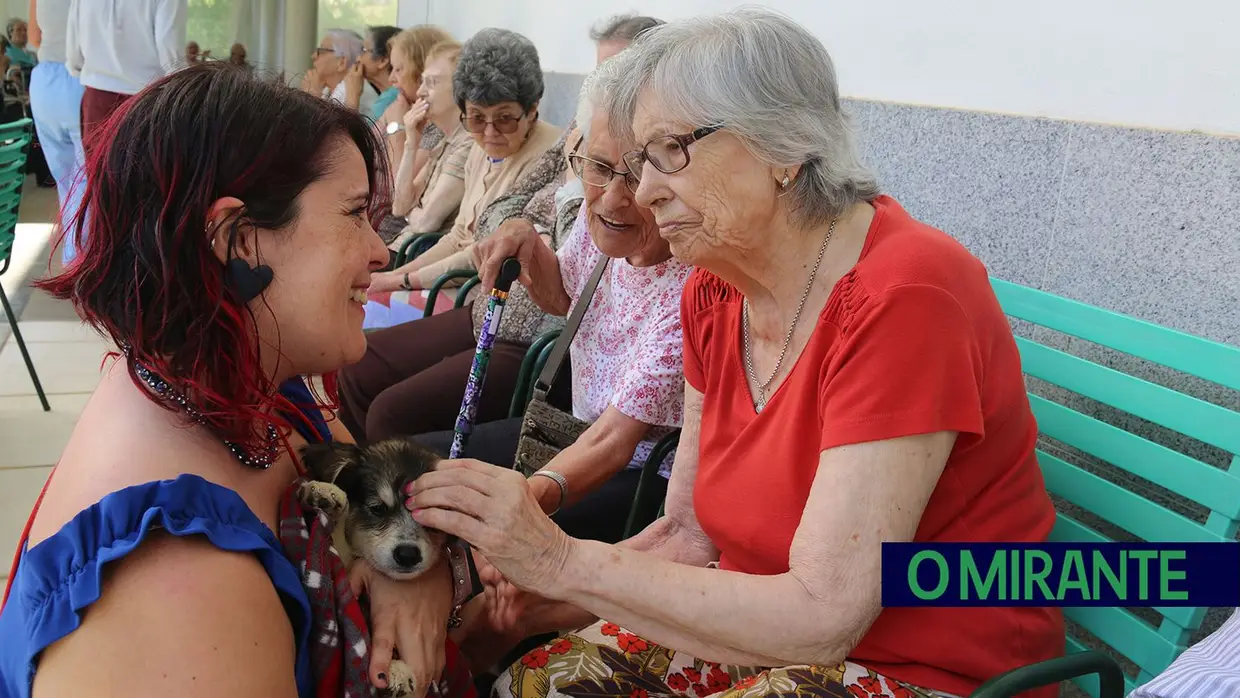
point(405, 284)
point(394, 127)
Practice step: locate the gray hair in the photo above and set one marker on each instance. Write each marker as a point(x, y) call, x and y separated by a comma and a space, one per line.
point(346, 44)
point(8, 28)
point(593, 96)
point(495, 66)
point(769, 82)
point(622, 27)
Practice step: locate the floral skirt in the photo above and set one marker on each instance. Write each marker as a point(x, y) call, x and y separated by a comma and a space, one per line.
point(605, 660)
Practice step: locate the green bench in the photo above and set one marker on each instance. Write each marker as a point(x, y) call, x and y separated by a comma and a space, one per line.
point(1125, 511)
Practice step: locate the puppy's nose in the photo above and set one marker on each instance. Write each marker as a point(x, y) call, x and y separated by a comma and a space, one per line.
point(407, 556)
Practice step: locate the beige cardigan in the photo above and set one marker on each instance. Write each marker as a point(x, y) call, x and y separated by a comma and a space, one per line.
point(485, 182)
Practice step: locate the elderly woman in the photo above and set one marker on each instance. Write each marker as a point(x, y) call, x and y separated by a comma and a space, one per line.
point(18, 32)
point(374, 67)
point(625, 358)
point(430, 198)
point(331, 63)
point(850, 380)
point(497, 86)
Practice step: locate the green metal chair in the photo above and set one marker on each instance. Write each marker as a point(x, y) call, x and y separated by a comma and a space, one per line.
point(432, 294)
point(416, 246)
point(1150, 647)
point(14, 145)
point(536, 355)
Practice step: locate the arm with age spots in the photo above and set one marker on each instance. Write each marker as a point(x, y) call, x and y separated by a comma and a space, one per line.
point(815, 613)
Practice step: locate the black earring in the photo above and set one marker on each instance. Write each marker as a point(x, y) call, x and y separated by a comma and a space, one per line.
point(245, 281)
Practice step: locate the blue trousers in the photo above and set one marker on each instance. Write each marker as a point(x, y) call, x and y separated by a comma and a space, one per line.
point(56, 105)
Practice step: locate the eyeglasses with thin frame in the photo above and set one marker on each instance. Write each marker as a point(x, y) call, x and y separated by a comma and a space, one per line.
point(669, 154)
point(504, 123)
point(599, 174)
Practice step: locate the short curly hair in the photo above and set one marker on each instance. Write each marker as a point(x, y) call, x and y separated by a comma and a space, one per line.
point(496, 66)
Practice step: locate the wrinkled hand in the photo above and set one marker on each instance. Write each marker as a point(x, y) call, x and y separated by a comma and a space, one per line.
point(493, 509)
point(312, 83)
point(516, 613)
point(353, 84)
point(396, 110)
point(416, 118)
point(410, 617)
point(514, 237)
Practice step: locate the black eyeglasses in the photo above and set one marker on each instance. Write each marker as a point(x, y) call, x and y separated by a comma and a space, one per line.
point(504, 123)
point(668, 154)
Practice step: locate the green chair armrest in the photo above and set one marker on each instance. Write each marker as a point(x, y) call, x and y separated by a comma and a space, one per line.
point(437, 287)
point(526, 376)
point(646, 505)
point(1054, 671)
point(415, 246)
point(463, 292)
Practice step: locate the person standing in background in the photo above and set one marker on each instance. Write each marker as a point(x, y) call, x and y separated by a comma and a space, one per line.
point(117, 47)
point(18, 32)
point(55, 104)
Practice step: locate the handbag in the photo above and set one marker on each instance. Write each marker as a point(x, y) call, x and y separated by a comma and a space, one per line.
point(547, 430)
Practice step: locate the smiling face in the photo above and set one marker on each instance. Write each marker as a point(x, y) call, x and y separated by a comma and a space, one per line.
point(321, 266)
point(716, 207)
point(493, 140)
point(619, 227)
point(436, 87)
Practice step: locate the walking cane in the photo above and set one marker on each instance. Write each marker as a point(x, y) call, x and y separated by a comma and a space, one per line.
point(508, 273)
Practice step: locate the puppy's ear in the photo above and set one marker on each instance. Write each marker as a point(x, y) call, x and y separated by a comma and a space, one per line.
point(324, 462)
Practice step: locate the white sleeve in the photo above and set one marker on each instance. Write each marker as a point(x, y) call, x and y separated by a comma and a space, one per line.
point(170, 19)
point(73, 49)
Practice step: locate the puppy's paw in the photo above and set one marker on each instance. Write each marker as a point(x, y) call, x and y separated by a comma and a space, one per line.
point(324, 496)
point(400, 680)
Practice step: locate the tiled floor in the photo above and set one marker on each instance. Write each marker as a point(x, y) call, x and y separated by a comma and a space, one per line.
point(67, 357)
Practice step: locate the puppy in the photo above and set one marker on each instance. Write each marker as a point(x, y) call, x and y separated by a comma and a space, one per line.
point(362, 491)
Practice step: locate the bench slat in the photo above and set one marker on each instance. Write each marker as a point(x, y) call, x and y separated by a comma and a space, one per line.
point(1190, 478)
point(1195, 356)
point(1128, 635)
point(1199, 419)
point(1119, 505)
point(1069, 530)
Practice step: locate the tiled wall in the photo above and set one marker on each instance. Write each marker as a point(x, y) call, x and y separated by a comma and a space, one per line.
point(1146, 223)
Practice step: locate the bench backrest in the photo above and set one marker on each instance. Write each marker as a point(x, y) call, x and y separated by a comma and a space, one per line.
point(1150, 647)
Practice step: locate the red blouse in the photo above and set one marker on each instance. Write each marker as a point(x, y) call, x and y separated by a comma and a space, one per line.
point(912, 341)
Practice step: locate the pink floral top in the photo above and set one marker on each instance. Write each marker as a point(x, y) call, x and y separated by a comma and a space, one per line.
point(627, 352)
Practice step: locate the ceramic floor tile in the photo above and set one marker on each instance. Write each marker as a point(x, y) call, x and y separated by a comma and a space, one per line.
point(34, 438)
point(70, 403)
point(57, 331)
point(18, 490)
point(63, 367)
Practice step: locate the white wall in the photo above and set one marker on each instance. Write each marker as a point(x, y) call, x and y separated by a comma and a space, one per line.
point(1148, 63)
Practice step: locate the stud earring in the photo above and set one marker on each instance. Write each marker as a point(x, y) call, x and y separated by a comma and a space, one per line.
point(784, 184)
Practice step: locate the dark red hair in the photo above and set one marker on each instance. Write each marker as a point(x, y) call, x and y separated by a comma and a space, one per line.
point(146, 275)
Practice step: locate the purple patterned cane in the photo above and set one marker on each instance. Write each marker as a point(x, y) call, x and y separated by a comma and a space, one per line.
point(508, 273)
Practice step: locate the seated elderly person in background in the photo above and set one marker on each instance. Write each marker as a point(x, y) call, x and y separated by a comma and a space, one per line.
point(850, 380)
point(18, 32)
point(407, 52)
point(331, 62)
point(430, 199)
point(497, 86)
point(374, 67)
point(626, 371)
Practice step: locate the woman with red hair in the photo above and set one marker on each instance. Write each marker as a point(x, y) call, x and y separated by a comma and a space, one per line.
point(226, 254)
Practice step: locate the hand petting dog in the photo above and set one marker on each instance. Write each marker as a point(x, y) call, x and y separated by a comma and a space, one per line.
point(493, 509)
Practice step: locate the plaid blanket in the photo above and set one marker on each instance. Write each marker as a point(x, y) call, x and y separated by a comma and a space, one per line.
point(340, 638)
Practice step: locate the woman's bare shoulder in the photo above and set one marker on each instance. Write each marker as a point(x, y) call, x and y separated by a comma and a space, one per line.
point(177, 616)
